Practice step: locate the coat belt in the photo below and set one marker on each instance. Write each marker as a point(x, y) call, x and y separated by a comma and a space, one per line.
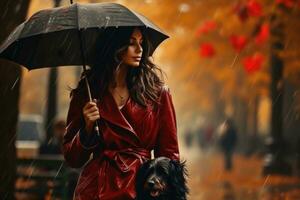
point(123, 158)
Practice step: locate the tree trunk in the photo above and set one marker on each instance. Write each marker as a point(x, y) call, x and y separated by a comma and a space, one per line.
point(274, 162)
point(12, 14)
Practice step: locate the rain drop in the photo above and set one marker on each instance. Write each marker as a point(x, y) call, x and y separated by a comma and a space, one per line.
point(15, 83)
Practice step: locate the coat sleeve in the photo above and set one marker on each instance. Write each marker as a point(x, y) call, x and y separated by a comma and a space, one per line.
point(167, 142)
point(77, 146)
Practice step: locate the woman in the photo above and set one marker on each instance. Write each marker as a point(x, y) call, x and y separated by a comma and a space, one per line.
point(135, 114)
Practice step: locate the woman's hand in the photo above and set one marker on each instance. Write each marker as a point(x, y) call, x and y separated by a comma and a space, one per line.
point(90, 114)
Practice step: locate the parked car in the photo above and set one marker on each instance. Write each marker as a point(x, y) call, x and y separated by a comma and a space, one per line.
point(30, 135)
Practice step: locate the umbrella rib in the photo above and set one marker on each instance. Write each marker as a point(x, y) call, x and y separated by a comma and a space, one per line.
point(82, 51)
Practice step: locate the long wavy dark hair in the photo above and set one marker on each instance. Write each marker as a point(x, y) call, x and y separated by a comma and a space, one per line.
point(144, 82)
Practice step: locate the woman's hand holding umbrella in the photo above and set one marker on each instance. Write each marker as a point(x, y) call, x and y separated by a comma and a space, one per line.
point(91, 115)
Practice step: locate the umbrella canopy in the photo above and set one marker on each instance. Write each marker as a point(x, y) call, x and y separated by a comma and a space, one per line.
point(50, 37)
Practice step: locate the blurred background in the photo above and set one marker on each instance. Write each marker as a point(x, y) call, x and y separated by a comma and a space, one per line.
point(233, 68)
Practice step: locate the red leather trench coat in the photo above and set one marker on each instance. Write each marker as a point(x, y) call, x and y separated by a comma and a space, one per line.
point(130, 133)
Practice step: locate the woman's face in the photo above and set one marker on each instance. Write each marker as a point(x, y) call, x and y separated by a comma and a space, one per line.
point(133, 55)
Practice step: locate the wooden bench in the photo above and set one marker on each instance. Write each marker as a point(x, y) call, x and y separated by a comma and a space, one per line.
point(45, 176)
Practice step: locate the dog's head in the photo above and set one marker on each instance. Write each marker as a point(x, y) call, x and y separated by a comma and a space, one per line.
point(161, 179)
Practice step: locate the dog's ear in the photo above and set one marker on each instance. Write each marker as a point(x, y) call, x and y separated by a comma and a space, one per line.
point(178, 169)
point(178, 175)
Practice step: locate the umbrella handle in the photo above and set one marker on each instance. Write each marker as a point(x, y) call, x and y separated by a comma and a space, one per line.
point(90, 99)
point(85, 78)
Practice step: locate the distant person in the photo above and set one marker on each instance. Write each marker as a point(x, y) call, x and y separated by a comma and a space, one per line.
point(54, 145)
point(227, 141)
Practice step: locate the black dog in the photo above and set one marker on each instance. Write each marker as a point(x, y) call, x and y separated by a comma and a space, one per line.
point(162, 179)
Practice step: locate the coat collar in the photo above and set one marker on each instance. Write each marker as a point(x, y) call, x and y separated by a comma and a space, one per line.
point(109, 110)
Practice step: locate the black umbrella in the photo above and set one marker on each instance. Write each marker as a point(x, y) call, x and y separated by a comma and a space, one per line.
point(50, 37)
point(68, 35)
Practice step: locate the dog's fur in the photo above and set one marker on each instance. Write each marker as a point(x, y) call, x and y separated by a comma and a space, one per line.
point(162, 179)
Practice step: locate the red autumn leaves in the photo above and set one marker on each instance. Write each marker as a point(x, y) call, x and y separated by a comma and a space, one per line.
point(253, 63)
point(239, 42)
point(251, 8)
point(263, 34)
point(243, 10)
point(206, 27)
point(206, 50)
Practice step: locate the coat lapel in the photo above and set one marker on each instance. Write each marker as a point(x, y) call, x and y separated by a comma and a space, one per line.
point(109, 110)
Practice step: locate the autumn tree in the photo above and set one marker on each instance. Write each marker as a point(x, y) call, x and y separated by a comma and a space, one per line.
point(13, 13)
